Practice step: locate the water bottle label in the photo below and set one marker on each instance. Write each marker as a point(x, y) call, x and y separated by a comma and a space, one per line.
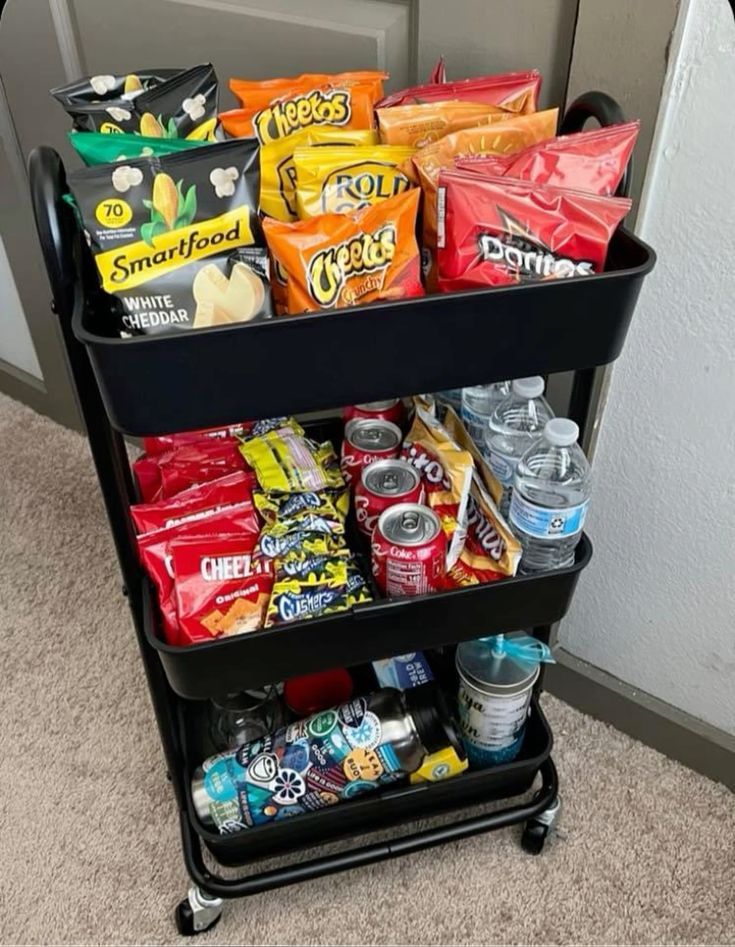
point(474, 422)
point(544, 523)
point(503, 466)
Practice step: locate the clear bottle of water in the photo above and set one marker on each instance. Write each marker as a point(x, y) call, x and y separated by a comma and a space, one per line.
point(513, 426)
point(478, 403)
point(451, 398)
point(551, 492)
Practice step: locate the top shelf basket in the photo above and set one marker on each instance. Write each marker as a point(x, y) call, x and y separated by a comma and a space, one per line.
point(181, 381)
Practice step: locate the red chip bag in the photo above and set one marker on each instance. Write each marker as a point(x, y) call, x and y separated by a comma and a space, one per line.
point(593, 161)
point(167, 442)
point(438, 73)
point(165, 475)
point(515, 91)
point(239, 519)
point(446, 472)
point(499, 231)
point(199, 501)
point(221, 588)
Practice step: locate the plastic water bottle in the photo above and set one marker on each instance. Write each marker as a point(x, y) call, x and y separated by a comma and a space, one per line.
point(478, 403)
point(551, 492)
point(451, 398)
point(513, 426)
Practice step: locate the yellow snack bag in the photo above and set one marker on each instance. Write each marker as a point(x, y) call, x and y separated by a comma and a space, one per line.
point(342, 180)
point(420, 125)
point(277, 171)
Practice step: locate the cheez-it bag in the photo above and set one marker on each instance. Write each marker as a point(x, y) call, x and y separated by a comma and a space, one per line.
point(221, 588)
point(176, 238)
point(342, 180)
point(502, 137)
point(338, 260)
point(499, 231)
point(277, 108)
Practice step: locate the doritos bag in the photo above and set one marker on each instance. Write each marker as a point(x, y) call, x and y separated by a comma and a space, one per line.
point(167, 442)
point(342, 180)
point(177, 238)
point(163, 476)
point(490, 550)
point(277, 170)
point(446, 472)
point(593, 161)
point(197, 501)
point(99, 148)
point(161, 103)
point(420, 125)
point(239, 519)
point(339, 260)
point(276, 108)
point(220, 587)
point(503, 137)
point(515, 91)
point(498, 231)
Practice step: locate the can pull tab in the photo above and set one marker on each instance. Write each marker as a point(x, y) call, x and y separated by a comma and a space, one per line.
point(521, 647)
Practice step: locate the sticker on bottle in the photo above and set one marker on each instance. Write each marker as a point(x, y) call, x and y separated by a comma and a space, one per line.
point(544, 523)
point(503, 466)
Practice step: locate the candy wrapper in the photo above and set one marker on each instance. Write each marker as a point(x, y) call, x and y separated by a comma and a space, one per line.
point(220, 587)
point(593, 161)
point(287, 462)
point(160, 103)
point(338, 260)
point(502, 137)
point(498, 231)
point(446, 472)
point(343, 180)
point(515, 91)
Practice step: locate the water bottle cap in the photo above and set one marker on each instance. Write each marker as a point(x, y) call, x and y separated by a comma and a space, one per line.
point(531, 387)
point(561, 432)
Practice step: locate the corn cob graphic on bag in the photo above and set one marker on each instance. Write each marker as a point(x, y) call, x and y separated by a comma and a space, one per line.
point(177, 238)
point(160, 103)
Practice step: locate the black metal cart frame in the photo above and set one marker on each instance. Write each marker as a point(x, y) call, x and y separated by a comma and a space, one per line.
point(101, 371)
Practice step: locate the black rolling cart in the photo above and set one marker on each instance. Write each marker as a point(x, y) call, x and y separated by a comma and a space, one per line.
point(177, 382)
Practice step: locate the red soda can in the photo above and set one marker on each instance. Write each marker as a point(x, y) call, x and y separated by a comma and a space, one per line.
point(383, 484)
point(366, 441)
point(390, 410)
point(409, 551)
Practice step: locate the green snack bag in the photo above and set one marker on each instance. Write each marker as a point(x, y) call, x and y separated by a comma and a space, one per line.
point(100, 148)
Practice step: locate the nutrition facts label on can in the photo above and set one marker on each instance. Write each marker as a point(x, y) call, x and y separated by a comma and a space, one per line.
point(406, 578)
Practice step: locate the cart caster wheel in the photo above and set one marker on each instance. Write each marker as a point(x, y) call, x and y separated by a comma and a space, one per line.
point(538, 829)
point(197, 913)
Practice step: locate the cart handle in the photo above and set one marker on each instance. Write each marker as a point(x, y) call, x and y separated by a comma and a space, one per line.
point(216, 886)
point(603, 108)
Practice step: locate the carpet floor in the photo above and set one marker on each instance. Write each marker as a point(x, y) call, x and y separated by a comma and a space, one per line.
point(88, 834)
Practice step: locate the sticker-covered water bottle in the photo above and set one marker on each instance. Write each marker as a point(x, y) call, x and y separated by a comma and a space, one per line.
point(496, 678)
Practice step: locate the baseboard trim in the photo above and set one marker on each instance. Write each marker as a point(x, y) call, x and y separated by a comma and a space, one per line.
point(671, 731)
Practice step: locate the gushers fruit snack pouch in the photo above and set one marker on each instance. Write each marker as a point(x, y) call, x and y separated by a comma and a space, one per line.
point(177, 238)
point(338, 260)
point(160, 103)
point(446, 472)
point(503, 137)
point(593, 161)
point(515, 91)
point(499, 231)
point(342, 180)
point(278, 172)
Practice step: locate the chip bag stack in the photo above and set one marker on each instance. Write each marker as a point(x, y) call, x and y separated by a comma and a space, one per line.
point(338, 260)
point(503, 137)
point(161, 103)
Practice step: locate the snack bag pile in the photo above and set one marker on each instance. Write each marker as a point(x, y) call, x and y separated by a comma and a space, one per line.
point(314, 200)
point(243, 528)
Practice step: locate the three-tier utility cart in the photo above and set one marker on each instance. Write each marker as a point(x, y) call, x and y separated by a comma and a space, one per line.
point(178, 382)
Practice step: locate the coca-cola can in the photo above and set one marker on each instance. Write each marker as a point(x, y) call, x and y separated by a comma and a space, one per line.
point(365, 442)
point(409, 551)
point(383, 484)
point(389, 410)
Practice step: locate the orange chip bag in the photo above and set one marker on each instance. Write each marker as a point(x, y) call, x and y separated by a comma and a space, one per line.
point(420, 125)
point(277, 108)
point(490, 550)
point(501, 138)
point(446, 472)
point(337, 260)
